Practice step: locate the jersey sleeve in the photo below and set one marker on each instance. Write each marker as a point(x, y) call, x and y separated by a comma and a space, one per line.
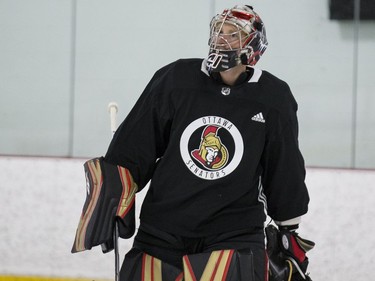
point(143, 136)
point(283, 176)
point(113, 181)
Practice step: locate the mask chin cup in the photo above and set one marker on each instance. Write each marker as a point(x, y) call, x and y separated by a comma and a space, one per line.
point(222, 60)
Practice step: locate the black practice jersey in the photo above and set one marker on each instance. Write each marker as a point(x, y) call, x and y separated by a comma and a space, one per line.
point(216, 155)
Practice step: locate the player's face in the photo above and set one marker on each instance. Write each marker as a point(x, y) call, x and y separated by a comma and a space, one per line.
point(228, 36)
point(211, 153)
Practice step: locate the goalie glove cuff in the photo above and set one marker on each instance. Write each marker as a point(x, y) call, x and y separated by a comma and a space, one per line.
point(293, 227)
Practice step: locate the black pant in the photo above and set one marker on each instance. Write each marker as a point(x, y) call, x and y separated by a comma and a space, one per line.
point(171, 248)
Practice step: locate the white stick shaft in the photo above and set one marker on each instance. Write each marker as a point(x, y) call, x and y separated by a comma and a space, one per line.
point(113, 108)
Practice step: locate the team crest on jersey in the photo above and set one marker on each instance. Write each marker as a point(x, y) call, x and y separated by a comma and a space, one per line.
point(211, 147)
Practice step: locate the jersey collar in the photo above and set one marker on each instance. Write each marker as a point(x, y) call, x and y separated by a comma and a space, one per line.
point(257, 73)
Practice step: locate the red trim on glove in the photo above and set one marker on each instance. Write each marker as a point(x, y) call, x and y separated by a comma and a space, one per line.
point(297, 251)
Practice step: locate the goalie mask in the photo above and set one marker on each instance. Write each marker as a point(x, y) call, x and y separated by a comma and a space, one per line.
point(237, 36)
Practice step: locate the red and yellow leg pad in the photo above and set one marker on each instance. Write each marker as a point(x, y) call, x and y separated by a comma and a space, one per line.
point(222, 265)
point(139, 266)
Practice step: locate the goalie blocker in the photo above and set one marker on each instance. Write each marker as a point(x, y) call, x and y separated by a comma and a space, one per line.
point(110, 196)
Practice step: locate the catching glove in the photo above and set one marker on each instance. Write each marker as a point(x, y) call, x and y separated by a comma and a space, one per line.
point(287, 254)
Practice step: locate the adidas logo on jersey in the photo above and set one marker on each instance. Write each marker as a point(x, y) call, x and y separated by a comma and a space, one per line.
point(258, 118)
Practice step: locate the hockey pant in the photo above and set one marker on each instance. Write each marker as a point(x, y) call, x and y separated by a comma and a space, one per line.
point(110, 196)
point(220, 265)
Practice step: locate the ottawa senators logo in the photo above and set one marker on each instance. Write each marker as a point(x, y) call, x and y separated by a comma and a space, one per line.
point(211, 147)
point(212, 153)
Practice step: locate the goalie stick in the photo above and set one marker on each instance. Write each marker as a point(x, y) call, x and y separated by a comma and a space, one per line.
point(113, 109)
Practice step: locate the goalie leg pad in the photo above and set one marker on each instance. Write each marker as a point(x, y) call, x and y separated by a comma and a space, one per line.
point(223, 265)
point(139, 266)
point(220, 265)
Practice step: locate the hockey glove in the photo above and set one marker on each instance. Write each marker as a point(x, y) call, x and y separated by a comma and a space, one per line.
point(110, 197)
point(287, 254)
